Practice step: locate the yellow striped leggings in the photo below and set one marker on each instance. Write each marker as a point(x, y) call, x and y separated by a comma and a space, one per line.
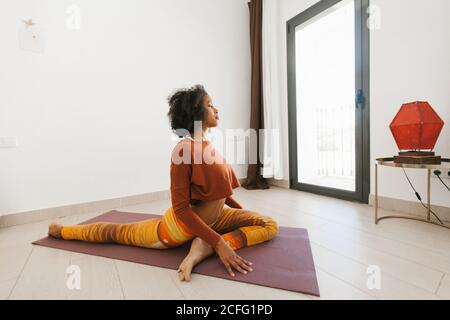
point(239, 228)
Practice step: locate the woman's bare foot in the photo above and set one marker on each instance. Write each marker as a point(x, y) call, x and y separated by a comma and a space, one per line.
point(199, 251)
point(54, 229)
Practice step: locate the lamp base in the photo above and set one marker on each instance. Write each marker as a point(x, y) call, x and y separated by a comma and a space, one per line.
point(417, 157)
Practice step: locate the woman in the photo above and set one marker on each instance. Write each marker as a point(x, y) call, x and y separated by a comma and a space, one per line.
point(200, 188)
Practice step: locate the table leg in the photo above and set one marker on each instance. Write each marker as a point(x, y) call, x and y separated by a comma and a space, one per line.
point(428, 195)
point(376, 193)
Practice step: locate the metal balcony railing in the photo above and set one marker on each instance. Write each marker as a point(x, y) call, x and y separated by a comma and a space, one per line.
point(336, 141)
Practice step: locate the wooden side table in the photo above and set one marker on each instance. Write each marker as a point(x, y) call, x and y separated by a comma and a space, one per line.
point(389, 162)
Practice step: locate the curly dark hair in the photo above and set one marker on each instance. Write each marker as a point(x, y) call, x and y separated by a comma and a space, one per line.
point(185, 107)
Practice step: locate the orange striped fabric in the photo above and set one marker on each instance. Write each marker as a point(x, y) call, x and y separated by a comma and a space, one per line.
point(238, 227)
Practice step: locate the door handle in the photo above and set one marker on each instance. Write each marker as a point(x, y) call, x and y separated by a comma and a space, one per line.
point(359, 98)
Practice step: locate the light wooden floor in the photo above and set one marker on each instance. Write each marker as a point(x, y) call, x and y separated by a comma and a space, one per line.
point(414, 258)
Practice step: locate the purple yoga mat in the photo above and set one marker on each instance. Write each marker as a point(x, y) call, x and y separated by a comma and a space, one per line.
point(285, 262)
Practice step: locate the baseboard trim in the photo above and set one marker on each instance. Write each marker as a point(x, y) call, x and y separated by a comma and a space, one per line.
point(272, 182)
point(278, 183)
point(19, 218)
point(13, 219)
point(410, 207)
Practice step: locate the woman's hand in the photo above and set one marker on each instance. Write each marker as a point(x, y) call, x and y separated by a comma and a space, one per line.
point(232, 260)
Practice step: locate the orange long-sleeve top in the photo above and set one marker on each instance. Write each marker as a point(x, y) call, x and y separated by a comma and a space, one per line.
point(198, 172)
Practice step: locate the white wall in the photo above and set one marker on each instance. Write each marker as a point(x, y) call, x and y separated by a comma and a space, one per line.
point(90, 113)
point(409, 61)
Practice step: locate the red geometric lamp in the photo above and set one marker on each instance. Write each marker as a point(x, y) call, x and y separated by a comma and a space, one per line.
point(416, 128)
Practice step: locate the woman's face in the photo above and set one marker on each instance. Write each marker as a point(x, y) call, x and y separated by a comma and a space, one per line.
point(211, 116)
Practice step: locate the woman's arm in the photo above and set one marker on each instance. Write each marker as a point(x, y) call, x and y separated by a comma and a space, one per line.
point(232, 203)
point(180, 194)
